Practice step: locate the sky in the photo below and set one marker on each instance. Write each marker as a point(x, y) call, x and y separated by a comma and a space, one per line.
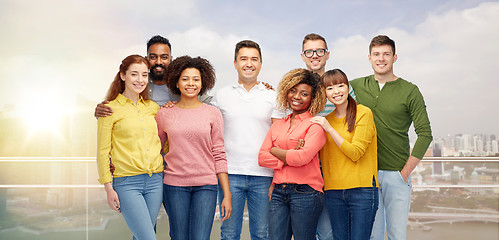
point(55, 52)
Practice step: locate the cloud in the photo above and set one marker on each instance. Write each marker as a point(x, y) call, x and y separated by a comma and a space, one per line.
point(77, 46)
point(452, 57)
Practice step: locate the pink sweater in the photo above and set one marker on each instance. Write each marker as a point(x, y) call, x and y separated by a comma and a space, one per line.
point(196, 145)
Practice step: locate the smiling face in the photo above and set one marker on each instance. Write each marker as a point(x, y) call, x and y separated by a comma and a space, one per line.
point(136, 78)
point(299, 98)
point(159, 58)
point(337, 94)
point(315, 63)
point(248, 65)
point(382, 59)
point(189, 83)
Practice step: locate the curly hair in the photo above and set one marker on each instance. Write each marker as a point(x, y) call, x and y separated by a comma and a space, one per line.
point(118, 84)
point(298, 76)
point(178, 65)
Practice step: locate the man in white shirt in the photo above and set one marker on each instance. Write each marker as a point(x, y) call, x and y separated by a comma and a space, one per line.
point(248, 109)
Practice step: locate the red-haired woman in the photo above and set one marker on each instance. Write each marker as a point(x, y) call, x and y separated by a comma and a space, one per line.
point(349, 161)
point(130, 138)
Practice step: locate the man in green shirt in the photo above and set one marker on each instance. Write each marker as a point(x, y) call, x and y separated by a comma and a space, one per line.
point(395, 103)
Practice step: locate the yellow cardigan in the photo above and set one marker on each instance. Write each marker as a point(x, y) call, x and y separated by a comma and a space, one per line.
point(354, 164)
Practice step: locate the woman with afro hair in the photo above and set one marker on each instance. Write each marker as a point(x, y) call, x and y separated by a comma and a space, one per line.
point(196, 159)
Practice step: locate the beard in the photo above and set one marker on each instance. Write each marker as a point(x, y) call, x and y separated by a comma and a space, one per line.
point(157, 76)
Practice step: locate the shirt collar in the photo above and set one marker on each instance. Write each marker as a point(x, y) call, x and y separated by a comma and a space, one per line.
point(123, 100)
point(301, 116)
point(258, 86)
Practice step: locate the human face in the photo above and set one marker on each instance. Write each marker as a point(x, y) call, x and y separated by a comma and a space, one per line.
point(382, 59)
point(299, 98)
point(136, 78)
point(189, 83)
point(315, 63)
point(248, 65)
point(159, 58)
point(337, 94)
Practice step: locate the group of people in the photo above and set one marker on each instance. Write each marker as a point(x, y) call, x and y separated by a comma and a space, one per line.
point(322, 157)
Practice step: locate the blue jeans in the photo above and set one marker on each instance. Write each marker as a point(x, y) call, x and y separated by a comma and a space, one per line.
point(190, 211)
point(298, 204)
point(324, 230)
point(255, 190)
point(140, 198)
point(352, 211)
point(394, 205)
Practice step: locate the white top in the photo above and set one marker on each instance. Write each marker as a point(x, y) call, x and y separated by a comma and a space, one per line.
point(247, 119)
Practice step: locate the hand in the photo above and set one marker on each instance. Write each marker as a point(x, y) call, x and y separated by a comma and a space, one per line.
point(404, 175)
point(102, 110)
point(300, 144)
point(267, 86)
point(322, 122)
point(271, 189)
point(169, 104)
point(226, 208)
point(112, 198)
point(111, 168)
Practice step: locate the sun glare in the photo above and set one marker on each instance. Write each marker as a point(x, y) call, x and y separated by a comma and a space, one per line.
point(42, 115)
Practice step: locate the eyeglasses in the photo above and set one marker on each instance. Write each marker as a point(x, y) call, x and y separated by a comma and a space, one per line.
point(310, 53)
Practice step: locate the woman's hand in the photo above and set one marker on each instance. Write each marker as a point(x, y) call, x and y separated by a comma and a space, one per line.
point(112, 197)
point(226, 205)
point(226, 208)
point(322, 122)
point(300, 144)
point(169, 104)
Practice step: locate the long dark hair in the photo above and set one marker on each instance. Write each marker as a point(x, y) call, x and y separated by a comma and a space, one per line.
point(336, 76)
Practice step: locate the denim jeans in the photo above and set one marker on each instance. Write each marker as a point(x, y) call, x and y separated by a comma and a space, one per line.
point(352, 211)
point(255, 190)
point(190, 211)
point(298, 204)
point(394, 205)
point(140, 199)
point(324, 230)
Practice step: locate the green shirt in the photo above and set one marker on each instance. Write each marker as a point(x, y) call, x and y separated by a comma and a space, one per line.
point(395, 107)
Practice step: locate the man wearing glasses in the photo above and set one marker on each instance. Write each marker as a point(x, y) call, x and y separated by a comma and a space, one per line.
point(315, 55)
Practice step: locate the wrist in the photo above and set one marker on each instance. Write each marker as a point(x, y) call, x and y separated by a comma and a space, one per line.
point(108, 186)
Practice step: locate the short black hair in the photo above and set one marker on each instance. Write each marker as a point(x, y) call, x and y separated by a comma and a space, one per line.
point(158, 39)
point(247, 44)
